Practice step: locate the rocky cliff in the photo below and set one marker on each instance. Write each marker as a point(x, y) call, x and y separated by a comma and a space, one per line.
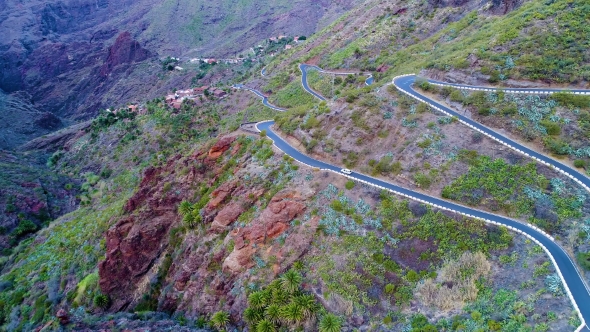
point(146, 256)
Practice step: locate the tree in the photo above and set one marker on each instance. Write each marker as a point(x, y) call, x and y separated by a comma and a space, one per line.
point(263, 133)
point(265, 326)
point(273, 314)
point(252, 316)
point(290, 281)
point(257, 300)
point(185, 208)
point(292, 314)
point(330, 323)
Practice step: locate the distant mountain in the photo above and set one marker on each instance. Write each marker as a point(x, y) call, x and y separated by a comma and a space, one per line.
point(75, 57)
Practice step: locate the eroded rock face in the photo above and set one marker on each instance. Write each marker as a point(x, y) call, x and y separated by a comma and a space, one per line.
point(271, 223)
point(220, 147)
point(124, 50)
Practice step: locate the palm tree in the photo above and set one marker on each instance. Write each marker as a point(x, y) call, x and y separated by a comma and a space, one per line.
point(273, 314)
point(185, 208)
point(308, 305)
point(252, 316)
point(189, 220)
point(220, 320)
point(330, 323)
point(265, 326)
point(290, 281)
point(257, 300)
point(279, 296)
point(292, 314)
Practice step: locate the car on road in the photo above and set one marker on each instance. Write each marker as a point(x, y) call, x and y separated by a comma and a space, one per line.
point(346, 171)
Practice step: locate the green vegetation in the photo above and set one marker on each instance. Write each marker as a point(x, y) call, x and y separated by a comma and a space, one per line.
point(292, 96)
point(515, 189)
point(282, 304)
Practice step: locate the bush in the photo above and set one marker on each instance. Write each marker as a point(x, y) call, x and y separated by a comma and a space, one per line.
point(24, 227)
point(456, 96)
point(552, 128)
point(579, 163)
point(101, 300)
point(349, 185)
point(571, 100)
point(422, 180)
point(584, 260)
point(557, 146)
point(412, 276)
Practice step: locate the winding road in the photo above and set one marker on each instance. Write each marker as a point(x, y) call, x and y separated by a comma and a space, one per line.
point(577, 290)
point(404, 83)
point(259, 94)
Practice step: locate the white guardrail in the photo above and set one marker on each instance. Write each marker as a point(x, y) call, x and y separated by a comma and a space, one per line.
point(575, 305)
point(507, 90)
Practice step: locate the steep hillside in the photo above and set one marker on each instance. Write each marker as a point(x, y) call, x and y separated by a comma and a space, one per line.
point(187, 222)
point(217, 232)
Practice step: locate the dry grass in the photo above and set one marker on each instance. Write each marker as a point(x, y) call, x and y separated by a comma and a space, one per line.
point(455, 284)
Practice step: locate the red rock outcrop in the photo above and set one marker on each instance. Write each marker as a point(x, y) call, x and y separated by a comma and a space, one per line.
point(220, 147)
point(124, 50)
point(271, 223)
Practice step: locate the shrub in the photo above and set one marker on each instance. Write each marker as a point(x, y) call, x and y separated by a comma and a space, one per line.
point(24, 227)
point(584, 260)
point(571, 100)
point(389, 289)
point(412, 276)
point(579, 163)
point(552, 128)
point(456, 96)
point(101, 300)
point(422, 180)
point(349, 185)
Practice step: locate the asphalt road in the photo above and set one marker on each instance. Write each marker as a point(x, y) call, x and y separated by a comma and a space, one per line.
point(566, 266)
point(259, 94)
point(574, 281)
point(304, 68)
point(405, 83)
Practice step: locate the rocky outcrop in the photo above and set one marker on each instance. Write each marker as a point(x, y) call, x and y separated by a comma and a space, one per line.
point(125, 50)
point(271, 223)
point(220, 147)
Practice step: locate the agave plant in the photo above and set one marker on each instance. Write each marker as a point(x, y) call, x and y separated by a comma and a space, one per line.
point(330, 323)
point(290, 281)
point(220, 320)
